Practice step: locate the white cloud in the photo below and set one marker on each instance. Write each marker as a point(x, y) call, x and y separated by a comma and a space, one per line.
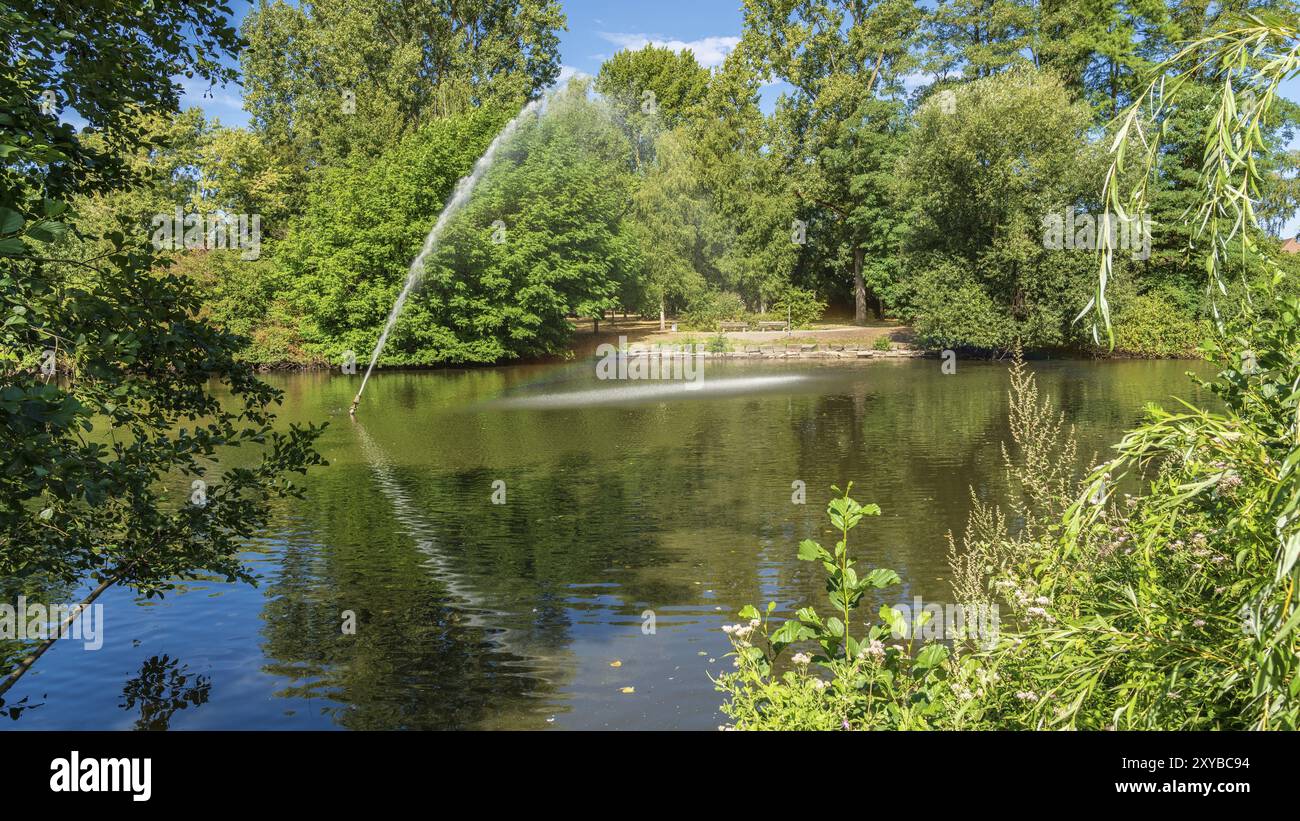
point(913, 81)
point(709, 51)
point(218, 102)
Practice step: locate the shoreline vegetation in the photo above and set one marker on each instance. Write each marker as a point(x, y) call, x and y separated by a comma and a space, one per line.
point(824, 342)
point(968, 209)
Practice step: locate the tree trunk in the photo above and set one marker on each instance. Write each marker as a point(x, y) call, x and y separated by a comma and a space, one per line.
point(859, 289)
point(661, 314)
point(595, 325)
point(26, 664)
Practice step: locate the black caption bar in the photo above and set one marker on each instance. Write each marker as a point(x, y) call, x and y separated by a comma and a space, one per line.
point(143, 771)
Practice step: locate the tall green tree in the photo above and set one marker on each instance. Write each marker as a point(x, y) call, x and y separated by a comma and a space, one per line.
point(345, 258)
point(652, 89)
point(545, 238)
point(977, 38)
point(326, 78)
point(1124, 42)
point(846, 61)
point(669, 209)
point(542, 238)
point(980, 176)
point(750, 218)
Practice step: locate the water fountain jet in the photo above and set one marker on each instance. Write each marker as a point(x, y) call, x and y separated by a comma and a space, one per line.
point(464, 188)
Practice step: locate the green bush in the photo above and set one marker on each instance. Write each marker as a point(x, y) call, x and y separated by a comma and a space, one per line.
point(1153, 325)
point(1178, 606)
point(882, 343)
point(1171, 609)
point(244, 297)
point(712, 307)
point(798, 305)
point(951, 310)
point(542, 239)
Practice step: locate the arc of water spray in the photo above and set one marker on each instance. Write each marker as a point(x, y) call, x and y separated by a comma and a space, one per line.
point(464, 188)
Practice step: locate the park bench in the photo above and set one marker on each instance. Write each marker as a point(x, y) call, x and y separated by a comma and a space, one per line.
point(733, 326)
point(773, 326)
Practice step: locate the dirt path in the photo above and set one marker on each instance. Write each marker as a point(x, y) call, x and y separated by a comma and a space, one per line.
point(824, 333)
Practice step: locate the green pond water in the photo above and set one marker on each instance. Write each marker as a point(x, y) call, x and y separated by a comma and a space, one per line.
point(622, 501)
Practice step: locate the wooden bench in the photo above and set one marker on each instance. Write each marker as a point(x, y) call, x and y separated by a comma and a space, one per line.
point(733, 326)
point(773, 326)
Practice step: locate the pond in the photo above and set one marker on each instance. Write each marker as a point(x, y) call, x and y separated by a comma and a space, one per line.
point(518, 546)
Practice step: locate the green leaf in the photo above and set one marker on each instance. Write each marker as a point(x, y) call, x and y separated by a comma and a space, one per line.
point(810, 551)
point(47, 230)
point(881, 577)
point(807, 615)
point(894, 620)
point(11, 222)
point(791, 632)
point(932, 655)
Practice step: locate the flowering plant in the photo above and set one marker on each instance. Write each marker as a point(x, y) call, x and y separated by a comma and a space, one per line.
point(850, 681)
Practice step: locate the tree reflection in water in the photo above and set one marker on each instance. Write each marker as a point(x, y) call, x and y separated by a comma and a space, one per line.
point(17, 708)
point(162, 688)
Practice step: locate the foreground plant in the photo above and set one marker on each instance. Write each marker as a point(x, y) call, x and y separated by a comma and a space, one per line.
point(1228, 481)
point(1187, 616)
point(849, 682)
point(1171, 608)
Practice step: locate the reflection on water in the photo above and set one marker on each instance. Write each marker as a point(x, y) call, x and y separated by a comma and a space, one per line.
point(640, 392)
point(13, 710)
point(163, 687)
point(620, 499)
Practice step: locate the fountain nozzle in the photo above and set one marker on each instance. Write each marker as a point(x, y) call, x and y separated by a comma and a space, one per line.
point(352, 411)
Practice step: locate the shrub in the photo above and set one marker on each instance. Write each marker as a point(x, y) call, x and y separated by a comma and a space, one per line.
point(799, 305)
point(1186, 594)
point(1170, 609)
point(246, 298)
point(719, 344)
point(951, 310)
point(882, 343)
point(1153, 325)
point(711, 308)
point(1041, 470)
